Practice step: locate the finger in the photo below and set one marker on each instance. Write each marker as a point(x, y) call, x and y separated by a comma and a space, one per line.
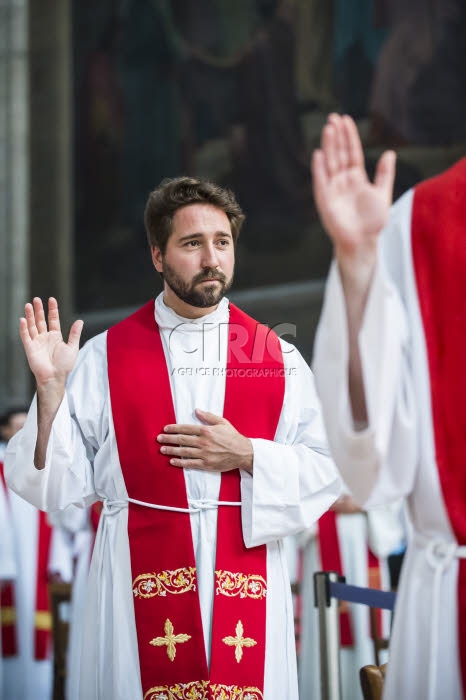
point(342, 155)
point(75, 333)
point(353, 143)
point(189, 464)
point(209, 418)
point(39, 315)
point(183, 429)
point(24, 333)
point(320, 178)
point(30, 321)
point(184, 440)
point(177, 451)
point(53, 316)
point(329, 147)
point(385, 173)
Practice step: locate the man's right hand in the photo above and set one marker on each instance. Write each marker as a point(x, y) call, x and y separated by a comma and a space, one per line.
point(49, 357)
point(51, 360)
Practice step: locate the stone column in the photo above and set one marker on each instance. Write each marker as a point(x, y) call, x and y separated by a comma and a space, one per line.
point(35, 173)
point(14, 128)
point(50, 114)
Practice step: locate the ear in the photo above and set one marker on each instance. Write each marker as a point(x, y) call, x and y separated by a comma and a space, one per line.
point(156, 254)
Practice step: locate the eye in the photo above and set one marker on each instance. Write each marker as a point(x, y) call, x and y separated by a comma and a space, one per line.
point(224, 242)
point(192, 244)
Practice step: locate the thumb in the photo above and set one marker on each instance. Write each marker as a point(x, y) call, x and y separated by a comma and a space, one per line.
point(75, 333)
point(385, 174)
point(209, 418)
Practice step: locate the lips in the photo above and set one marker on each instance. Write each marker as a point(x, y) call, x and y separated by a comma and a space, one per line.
point(207, 277)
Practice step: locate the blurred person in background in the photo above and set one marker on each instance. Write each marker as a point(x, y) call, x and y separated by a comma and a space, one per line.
point(8, 568)
point(356, 545)
point(11, 421)
point(390, 368)
point(31, 553)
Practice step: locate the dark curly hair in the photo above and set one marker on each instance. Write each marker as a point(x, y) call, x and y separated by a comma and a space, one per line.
point(175, 193)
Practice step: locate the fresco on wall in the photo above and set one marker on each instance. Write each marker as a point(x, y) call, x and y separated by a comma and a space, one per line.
point(238, 90)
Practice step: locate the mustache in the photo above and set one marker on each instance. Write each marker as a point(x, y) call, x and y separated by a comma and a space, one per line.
point(209, 275)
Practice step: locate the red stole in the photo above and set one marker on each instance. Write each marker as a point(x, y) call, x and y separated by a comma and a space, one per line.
point(167, 610)
point(42, 618)
point(7, 603)
point(438, 230)
point(374, 576)
point(331, 560)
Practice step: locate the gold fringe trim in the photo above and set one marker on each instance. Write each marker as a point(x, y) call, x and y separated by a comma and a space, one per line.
point(8, 616)
point(43, 620)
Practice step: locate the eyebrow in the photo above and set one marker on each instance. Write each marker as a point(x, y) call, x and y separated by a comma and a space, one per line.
point(191, 236)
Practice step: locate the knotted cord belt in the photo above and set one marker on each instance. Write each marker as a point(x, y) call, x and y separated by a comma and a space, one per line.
point(439, 554)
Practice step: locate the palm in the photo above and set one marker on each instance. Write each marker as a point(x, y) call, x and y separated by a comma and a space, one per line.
point(48, 355)
point(354, 210)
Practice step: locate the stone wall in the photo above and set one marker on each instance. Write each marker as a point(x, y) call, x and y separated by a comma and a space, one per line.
point(14, 220)
point(35, 173)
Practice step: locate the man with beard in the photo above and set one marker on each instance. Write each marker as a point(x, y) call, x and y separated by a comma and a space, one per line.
point(194, 425)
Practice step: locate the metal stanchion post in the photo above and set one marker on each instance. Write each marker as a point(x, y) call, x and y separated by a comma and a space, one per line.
point(329, 635)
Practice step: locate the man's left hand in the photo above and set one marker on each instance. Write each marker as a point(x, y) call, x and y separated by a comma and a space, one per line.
point(215, 446)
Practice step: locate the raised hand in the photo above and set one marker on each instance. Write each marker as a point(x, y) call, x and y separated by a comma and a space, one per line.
point(353, 210)
point(49, 357)
point(215, 446)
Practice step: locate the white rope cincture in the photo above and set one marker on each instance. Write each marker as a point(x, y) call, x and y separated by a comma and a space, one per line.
point(197, 505)
point(440, 554)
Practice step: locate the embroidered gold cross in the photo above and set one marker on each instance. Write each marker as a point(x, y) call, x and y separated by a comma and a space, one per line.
point(239, 641)
point(170, 640)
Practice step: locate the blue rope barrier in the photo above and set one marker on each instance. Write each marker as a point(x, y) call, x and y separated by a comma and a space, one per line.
point(366, 596)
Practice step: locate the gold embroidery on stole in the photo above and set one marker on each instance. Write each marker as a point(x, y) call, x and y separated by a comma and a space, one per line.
point(245, 585)
point(173, 582)
point(239, 641)
point(198, 690)
point(170, 640)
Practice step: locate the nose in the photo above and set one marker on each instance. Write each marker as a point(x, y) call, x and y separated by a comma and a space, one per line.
point(210, 256)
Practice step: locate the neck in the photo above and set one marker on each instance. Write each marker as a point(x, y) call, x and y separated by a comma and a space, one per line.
point(181, 308)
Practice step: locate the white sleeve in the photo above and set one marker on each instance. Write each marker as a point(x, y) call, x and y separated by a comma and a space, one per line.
point(385, 529)
point(72, 519)
point(294, 479)
point(79, 431)
point(61, 554)
point(379, 462)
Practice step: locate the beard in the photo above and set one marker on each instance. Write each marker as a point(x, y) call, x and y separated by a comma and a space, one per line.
point(189, 292)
